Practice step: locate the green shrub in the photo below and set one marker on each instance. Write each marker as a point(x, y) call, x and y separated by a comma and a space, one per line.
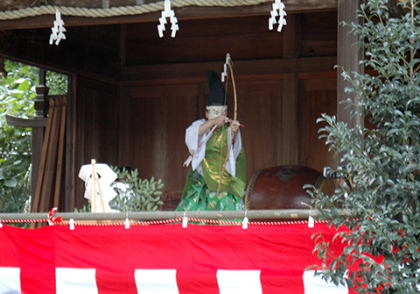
point(382, 162)
point(136, 194)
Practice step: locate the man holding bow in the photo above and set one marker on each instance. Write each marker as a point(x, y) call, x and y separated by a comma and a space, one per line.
point(202, 191)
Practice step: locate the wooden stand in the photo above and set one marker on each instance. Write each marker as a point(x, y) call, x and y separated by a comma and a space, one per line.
point(95, 181)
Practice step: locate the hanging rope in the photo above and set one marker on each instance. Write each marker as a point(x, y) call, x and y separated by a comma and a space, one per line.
point(163, 222)
point(120, 11)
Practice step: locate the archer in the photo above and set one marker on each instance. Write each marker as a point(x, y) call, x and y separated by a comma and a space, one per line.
point(208, 141)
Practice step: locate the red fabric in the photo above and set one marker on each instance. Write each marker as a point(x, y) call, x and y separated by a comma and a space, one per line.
point(281, 253)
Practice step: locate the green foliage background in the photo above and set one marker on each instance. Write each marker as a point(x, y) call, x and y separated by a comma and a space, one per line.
point(382, 163)
point(17, 95)
point(136, 194)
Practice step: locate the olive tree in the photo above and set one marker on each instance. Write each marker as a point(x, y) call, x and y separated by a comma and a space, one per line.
point(382, 162)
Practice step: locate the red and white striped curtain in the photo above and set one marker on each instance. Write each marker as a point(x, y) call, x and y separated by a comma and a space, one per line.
point(162, 259)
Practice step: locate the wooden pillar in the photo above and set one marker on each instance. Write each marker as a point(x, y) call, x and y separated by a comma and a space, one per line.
point(41, 111)
point(41, 98)
point(289, 139)
point(348, 56)
point(70, 163)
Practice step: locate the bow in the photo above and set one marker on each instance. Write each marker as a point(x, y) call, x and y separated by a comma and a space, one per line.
point(228, 67)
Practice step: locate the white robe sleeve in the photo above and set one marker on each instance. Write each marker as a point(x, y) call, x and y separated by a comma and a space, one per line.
point(193, 140)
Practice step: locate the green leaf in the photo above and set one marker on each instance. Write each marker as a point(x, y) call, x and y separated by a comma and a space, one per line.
point(12, 183)
point(350, 283)
point(24, 86)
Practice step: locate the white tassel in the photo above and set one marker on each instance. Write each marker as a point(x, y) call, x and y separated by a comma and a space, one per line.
point(71, 223)
point(311, 222)
point(245, 223)
point(127, 224)
point(184, 222)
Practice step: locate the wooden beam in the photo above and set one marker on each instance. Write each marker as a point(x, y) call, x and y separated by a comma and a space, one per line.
point(288, 153)
point(37, 196)
point(182, 73)
point(125, 129)
point(98, 4)
point(26, 122)
point(58, 197)
point(37, 139)
point(48, 183)
point(292, 37)
point(123, 44)
point(69, 70)
point(71, 166)
point(31, 47)
point(21, 4)
point(348, 56)
point(187, 12)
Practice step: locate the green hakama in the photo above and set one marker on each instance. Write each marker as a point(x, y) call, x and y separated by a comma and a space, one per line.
point(200, 191)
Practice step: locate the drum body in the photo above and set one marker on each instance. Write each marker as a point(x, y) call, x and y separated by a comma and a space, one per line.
point(281, 187)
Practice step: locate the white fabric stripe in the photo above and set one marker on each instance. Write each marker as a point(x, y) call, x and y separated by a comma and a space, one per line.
point(75, 280)
point(316, 285)
point(153, 281)
point(10, 280)
point(239, 281)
